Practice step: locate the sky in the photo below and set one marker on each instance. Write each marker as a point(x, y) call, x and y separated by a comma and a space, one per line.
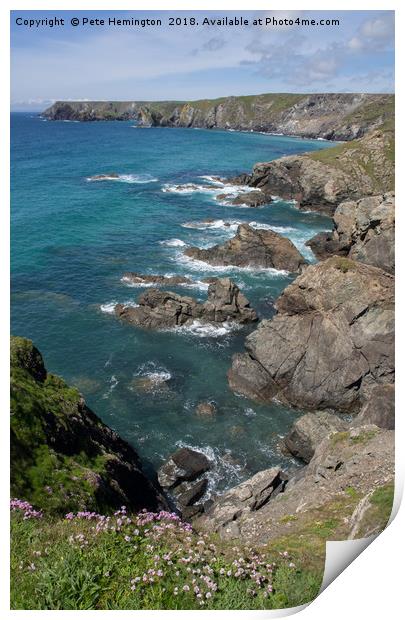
point(186, 63)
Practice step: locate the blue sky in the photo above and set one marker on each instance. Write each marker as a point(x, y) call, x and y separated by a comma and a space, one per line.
point(183, 63)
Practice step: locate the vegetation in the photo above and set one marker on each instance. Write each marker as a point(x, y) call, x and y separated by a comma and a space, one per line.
point(145, 561)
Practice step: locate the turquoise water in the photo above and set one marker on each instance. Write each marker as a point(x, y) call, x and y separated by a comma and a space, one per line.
point(72, 240)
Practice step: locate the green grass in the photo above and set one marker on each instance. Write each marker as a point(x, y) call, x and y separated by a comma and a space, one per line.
point(62, 564)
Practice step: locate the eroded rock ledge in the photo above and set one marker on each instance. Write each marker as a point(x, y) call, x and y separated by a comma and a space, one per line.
point(330, 343)
point(252, 247)
point(346, 472)
point(159, 309)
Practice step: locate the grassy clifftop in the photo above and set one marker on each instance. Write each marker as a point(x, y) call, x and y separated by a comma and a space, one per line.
point(329, 116)
point(62, 456)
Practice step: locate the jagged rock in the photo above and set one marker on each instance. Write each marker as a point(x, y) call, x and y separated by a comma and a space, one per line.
point(252, 247)
point(346, 469)
point(379, 409)
point(331, 340)
point(364, 231)
point(188, 494)
point(63, 456)
point(248, 496)
point(322, 179)
point(163, 309)
point(183, 465)
point(309, 430)
point(324, 244)
point(206, 409)
point(248, 199)
point(137, 278)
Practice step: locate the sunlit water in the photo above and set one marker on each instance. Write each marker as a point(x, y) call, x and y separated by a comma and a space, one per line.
point(72, 240)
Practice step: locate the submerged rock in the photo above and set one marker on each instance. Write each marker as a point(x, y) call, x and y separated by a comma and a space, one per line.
point(206, 409)
point(330, 342)
point(111, 176)
point(309, 430)
point(131, 277)
point(165, 309)
point(364, 231)
point(183, 465)
point(252, 247)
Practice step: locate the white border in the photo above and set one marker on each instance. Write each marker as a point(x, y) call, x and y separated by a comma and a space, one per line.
point(372, 585)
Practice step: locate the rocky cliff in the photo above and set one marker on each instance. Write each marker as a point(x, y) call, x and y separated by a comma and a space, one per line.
point(364, 230)
point(322, 179)
point(329, 116)
point(330, 343)
point(345, 492)
point(62, 456)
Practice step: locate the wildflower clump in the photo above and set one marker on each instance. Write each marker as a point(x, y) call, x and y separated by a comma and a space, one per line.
point(149, 560)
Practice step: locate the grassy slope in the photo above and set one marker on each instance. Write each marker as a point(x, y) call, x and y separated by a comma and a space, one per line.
point(76, 564)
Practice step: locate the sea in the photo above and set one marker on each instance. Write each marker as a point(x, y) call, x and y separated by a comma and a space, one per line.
point(73, 238)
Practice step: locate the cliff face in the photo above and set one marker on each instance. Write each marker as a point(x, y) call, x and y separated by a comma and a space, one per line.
point(329, 116)
point(322, 179)
point(62, 456)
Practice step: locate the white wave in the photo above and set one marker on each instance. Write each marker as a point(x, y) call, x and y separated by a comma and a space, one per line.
point(199, 265)
point(124, 178)
point(249, 412)
point(207, 330)
point(213, 225)
point(278, 229)
point(223, 468)
point(213, 186)
point(173, 243)
point(154, 372)
point(109, 307)
point(113, 381)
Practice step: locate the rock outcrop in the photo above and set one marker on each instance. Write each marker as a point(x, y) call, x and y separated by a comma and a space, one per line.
point(63, 456)
point(308, 431)
point(183, 476)
point(379, 408)
point(243, 499)
point(321, 180)
point(364, 231)
point(330, 342)
point(345, 492)
point(252, 247)
point(330, 116)
point(164, 309)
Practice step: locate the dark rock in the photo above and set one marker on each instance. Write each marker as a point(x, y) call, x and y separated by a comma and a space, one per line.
point(188, 494)
point(324, 244)
point(309, 430)
point(163, 309)
point(331, 340)
point(183, 465)
point(252, 247)
point(379, 408)
point(249, 199)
